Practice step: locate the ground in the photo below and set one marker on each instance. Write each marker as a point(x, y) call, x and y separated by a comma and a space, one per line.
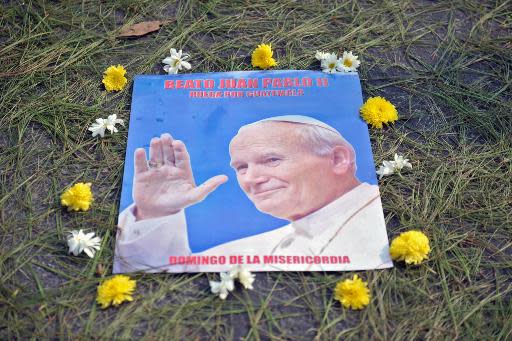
point(446, 66)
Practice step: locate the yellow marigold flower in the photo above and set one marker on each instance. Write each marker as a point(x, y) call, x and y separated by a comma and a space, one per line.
point(114, 78)
point(115, 291)
point(411, 246)
point(262, 57)
point(78, 197)
point(378, 110)
point(353, 293)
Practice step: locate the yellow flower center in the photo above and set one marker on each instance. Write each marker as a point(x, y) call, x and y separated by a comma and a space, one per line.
point(351, 293)
point(347, 62)
point(117, 78)
point(332, 65)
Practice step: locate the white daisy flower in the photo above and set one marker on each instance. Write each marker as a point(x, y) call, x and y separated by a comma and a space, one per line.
point(176, 62)
point(321, 55)
point(244, 276)
point(349, 62)
point(78, 242)
point(111, 122)
point(223, 287)
point(390, 167)
point(400, 162)
point(98, 128)
point(331, 63)
point(387, 168)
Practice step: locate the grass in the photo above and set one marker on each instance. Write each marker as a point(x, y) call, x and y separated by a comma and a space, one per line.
point(446, 66)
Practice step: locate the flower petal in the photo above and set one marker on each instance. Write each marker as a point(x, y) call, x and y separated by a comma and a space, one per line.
point(89, 252)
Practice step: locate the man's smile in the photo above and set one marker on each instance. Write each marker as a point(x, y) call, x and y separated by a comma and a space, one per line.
point(264, 192)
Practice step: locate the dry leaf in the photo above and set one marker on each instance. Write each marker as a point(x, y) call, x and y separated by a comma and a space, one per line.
point(141, 29)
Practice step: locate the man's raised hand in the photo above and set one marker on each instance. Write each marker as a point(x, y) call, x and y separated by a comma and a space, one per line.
point(165, 184)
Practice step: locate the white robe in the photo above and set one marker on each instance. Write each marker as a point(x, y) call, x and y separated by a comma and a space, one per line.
point(352, 226)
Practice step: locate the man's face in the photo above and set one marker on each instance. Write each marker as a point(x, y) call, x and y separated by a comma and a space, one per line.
point(280, 175)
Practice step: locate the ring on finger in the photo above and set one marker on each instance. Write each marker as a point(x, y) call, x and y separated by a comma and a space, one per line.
point(154, 164)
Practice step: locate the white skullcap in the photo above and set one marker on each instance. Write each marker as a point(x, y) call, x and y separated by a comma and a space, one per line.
point(298, 119)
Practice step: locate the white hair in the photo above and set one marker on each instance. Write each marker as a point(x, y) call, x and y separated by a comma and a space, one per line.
point(316, 135)
point(322, 141)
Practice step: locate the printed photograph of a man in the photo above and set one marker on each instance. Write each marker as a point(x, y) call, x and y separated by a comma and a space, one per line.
point(292, 167)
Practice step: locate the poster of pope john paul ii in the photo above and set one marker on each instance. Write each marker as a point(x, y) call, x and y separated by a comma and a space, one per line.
point(230, 184)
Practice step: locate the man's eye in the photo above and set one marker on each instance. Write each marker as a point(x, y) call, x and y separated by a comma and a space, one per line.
point(241, 169)
point(273, 161)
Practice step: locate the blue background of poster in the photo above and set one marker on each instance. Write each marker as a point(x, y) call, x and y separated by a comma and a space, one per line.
point(206, 126)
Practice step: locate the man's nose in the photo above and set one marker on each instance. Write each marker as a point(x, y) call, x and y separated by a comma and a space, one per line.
point(255, 174)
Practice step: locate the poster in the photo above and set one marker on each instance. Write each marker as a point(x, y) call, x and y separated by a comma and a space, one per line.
point(270, 170)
